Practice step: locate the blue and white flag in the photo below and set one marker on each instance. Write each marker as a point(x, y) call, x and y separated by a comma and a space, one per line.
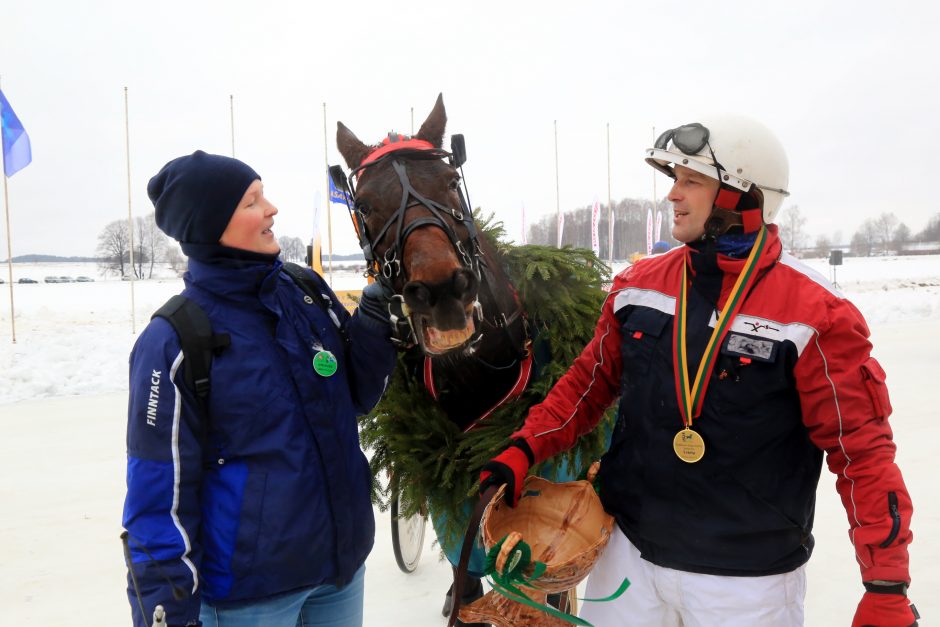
point(339, 196)
point(17, 152)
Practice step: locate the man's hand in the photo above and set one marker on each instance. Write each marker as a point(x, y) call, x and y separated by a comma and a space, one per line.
point(509, 467)
point(374, 303)
point(885, 605)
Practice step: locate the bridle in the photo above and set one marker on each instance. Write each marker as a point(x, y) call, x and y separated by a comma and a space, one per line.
point(441, 215)
point(399, 151)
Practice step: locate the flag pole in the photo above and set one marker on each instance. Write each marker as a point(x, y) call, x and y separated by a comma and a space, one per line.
point(6, 210)
point(557, 196)
point(231, 109)
point(6, 207)
point(130, 220)
point(655, 207)
point(412, 121)
point(329, 202)
point(610, 206)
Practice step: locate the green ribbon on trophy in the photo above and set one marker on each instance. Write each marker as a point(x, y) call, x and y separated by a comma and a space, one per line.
point(520, 562)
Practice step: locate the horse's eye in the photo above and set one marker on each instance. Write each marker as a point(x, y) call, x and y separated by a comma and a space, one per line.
point(454, 185)
point(363, 208)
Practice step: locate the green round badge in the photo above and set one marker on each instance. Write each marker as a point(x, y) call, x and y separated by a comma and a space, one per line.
point(324, 363)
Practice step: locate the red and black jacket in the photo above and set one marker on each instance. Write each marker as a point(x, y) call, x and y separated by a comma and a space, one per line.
point(794, 379)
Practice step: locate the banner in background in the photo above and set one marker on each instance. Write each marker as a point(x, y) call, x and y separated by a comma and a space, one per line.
point(338, 196)
point(613, 218)
point(649, 231)
point(316, 247)
point(561, 227)
point(658, 231)
point(595, 219)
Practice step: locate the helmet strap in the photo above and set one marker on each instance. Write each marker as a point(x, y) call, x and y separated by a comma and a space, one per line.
point(723, 215)
point(733, 208)
point(752, 219)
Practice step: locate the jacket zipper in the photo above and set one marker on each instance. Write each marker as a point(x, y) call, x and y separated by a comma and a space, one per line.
point(895, 518)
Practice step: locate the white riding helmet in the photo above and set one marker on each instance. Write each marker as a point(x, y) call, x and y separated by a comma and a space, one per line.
point(748, 153)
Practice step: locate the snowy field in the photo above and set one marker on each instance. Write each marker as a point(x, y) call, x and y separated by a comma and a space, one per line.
point(62, 414)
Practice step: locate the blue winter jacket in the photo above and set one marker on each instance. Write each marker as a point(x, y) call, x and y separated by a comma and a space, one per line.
point(266, 490)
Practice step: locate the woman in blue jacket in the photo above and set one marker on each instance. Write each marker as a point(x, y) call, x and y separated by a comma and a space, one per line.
point(250, 506)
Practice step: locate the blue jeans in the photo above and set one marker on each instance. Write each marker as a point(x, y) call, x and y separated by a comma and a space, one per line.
point(322, 606)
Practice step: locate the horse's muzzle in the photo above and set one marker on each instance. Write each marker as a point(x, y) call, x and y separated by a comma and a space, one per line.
point(442, 313)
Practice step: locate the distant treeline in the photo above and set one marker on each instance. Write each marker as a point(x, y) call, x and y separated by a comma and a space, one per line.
point(351, 257)
point(630, 216)
point(58, 259)
point(51, 259)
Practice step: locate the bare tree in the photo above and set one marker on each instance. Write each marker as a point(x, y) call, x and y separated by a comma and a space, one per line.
point(174, 257)
point(113, 248)
point(884, 226)
point(823, 246)
point(792, 231)
point(292, 248)
point(865, 238)
point(140, 249)
point(150, 244)
point(900, 237)
point(931, 232)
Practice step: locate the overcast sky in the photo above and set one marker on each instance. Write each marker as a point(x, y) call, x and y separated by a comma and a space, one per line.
point(851, 88)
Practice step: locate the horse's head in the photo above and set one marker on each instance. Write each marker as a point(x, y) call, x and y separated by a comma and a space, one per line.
point(417, 229)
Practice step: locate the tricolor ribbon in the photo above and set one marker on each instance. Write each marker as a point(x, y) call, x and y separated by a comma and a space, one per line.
point(692, 399)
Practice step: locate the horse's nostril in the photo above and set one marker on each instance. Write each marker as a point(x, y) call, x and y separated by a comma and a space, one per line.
point(464, 285)
point(417, 295)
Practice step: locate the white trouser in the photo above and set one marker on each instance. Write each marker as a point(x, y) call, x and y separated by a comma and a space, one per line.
point(663, 597)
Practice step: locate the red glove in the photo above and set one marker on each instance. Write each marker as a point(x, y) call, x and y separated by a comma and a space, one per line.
point(885, 606)
point(509, 467)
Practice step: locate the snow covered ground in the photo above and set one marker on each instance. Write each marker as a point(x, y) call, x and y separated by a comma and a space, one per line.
point(62, 421)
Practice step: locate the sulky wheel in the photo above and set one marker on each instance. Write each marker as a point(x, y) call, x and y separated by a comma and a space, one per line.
point(407, 536)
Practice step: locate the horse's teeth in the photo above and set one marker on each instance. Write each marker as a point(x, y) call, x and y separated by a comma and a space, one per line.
point(443, 340)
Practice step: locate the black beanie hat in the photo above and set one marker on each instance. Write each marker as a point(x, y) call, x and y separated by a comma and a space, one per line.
point(196, 195)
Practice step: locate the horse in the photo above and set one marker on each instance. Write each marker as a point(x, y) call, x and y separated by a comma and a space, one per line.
point(453, 309)
point(461, 308)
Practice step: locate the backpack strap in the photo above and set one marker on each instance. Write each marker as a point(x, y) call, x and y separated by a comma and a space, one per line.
point(312, 286)
point(199, 343)
point(197, 340)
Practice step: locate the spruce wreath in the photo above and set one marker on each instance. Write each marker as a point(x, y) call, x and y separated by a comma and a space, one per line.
point(436, 466)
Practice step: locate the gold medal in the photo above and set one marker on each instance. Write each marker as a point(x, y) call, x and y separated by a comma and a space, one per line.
point(689, 446)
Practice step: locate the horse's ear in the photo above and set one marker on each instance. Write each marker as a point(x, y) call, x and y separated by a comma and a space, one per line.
point(353, 150)
point(433, 128)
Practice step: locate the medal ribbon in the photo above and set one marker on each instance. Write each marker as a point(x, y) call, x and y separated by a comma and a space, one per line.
point(692, 399)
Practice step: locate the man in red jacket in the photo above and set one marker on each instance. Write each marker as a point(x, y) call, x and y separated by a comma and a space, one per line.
point(736, 368)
